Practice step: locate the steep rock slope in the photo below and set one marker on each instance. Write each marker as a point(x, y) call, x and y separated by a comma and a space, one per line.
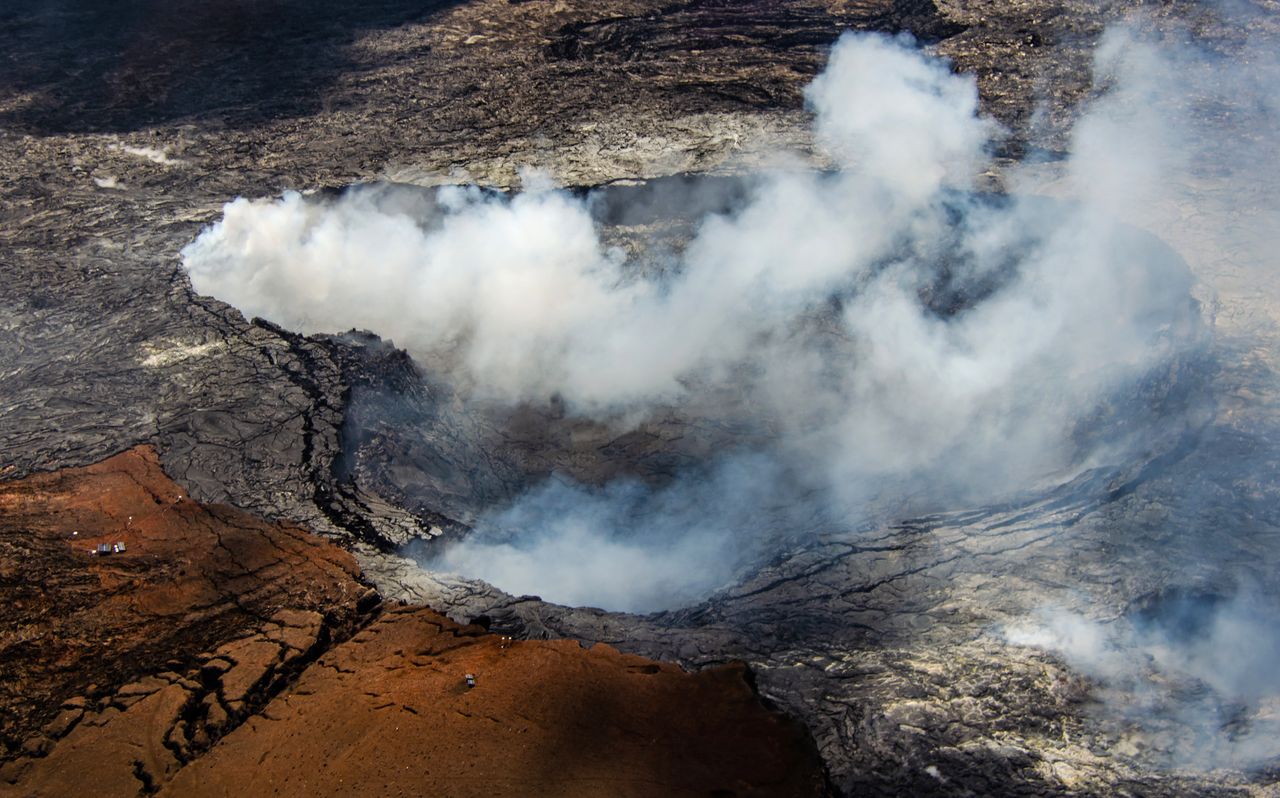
point(544, 718)
point(191, 578)
point(219, 654)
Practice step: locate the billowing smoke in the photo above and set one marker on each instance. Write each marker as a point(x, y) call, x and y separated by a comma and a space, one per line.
point(899, 333)
point(627, 546)
point(1195, 672)
point(520, 298)
point(1191, 673)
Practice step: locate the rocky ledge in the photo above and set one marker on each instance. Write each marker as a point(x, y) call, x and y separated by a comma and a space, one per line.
point(207, 652)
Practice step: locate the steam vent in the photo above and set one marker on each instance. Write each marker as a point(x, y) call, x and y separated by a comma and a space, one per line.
point(717, 398)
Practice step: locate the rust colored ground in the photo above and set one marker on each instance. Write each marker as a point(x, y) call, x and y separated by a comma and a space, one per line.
point(222, 655)
point(390, 711)
point(192, 577)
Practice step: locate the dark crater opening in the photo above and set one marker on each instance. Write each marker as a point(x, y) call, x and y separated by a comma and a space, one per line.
point(411, 440)
point(1181, 614)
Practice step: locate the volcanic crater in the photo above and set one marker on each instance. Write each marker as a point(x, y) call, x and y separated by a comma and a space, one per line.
point(992, 513)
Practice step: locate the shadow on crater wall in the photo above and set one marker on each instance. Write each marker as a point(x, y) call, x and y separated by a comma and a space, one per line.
point(96, 66)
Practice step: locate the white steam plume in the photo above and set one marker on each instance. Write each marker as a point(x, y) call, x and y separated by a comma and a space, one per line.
point(1197, 672)
point(1185, 142)
point(818, 301)
point(530, 303)
point(682, 541)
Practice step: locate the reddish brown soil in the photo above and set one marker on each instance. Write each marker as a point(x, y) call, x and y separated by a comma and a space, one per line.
point(192, 578)
point(220, 659)
point(390, 711)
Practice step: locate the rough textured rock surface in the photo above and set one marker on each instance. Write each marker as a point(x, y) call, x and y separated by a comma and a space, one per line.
point(124, 127)
point(544, 718)
point(191, 578)
point(861, 636)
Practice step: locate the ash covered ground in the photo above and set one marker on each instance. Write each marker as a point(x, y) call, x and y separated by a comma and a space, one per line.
point(928, 375)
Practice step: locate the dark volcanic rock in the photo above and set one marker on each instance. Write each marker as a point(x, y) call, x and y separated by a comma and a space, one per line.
point(99, 66)
point(861, 634)
point(655, 41)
